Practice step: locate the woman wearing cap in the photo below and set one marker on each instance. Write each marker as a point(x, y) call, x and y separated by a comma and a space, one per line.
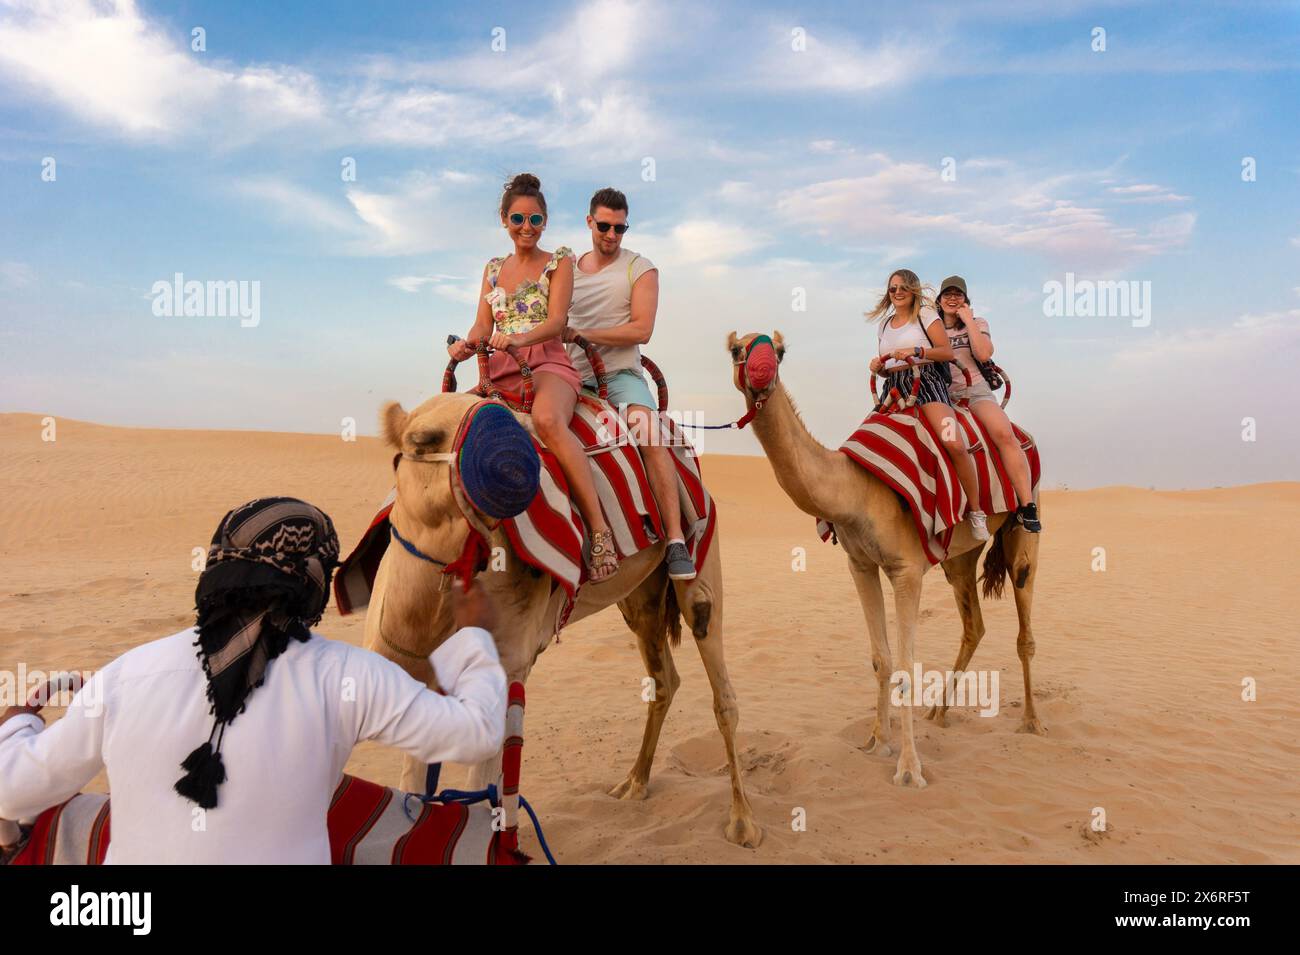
point(909, 328)
point(524, 301)
point(972, 344)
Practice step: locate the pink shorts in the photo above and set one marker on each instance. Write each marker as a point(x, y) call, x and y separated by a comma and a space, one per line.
point(549, 356)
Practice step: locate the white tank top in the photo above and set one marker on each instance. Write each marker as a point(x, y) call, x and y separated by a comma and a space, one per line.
point(604, 300)
point(909, 336)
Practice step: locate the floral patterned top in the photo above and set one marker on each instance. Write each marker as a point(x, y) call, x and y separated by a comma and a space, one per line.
point(525, 308)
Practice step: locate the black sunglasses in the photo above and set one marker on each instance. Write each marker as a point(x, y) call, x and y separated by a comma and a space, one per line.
point(604, 227)
point(535, 220)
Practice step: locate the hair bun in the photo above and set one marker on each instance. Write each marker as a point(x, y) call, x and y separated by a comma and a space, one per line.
point(525, 180)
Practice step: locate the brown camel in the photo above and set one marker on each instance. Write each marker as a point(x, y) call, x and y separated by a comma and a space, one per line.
point(409, 614)
point(877, 534)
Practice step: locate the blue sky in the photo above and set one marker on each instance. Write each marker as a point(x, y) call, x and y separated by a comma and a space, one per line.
point(775, 168)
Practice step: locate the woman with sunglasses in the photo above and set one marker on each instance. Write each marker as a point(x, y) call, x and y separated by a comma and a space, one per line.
point(524, 301)
point(910, 328)
point(972, 344)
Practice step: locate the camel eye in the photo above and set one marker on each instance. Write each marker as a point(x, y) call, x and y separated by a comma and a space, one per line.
point(735, 352)
point(424, 440)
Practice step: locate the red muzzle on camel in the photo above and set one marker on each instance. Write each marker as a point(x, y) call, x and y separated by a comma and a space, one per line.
point(760, 364)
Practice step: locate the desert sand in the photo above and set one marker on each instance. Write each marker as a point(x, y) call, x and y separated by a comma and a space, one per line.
point(1138, 672)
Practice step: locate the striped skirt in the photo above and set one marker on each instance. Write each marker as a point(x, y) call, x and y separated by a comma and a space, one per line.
point(934, 385)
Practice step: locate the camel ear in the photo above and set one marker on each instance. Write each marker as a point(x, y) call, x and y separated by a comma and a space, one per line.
point(393, 419)
point(732, 342)
point(778, 342)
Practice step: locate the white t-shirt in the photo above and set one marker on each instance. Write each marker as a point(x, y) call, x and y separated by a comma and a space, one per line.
point(144, 712)
point(604, 300)
point(909, 336)
point(960, 342)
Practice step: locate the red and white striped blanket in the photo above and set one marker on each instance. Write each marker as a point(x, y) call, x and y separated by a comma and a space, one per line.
point(368, 824)
point(549, 535)
point(903, 451)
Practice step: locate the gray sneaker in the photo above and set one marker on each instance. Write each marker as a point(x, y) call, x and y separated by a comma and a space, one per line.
point(680, 565)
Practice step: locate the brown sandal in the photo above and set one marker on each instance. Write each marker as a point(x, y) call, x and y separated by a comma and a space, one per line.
point(603, 561)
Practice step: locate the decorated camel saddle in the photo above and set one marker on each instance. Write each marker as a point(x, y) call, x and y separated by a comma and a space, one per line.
point(549, 534)
point(897, 444)
point(368, 824)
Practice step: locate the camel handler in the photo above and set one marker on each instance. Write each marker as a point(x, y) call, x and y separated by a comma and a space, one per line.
point(158, 716)
point(615, 297)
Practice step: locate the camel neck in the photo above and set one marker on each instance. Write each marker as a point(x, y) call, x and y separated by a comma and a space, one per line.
point(421, 620)
point(806, 469)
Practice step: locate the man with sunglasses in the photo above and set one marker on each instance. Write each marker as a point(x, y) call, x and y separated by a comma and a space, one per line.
point(615, 297)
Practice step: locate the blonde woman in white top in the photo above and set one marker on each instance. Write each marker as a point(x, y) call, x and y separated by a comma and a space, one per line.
point(910, 328)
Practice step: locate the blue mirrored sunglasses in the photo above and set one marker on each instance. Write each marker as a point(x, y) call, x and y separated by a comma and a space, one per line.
point(535, 220)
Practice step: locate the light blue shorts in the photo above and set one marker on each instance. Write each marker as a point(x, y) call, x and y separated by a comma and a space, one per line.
point(627, 386)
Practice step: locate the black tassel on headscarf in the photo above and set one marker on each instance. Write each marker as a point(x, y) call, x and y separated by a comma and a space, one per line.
point(266, 583)
point(204, 772)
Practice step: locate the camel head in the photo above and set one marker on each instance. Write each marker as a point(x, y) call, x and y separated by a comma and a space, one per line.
point(498, 465)
point(755, 358)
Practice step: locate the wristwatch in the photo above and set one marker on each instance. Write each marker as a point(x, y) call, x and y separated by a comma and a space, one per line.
point(918, 352)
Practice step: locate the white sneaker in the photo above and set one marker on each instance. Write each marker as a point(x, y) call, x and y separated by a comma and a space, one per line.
point(979, 526)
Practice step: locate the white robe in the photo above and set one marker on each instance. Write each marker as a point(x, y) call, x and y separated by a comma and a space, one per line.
point(144, 712)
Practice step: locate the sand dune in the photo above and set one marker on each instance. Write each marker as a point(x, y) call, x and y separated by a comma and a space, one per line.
point(1139, 668)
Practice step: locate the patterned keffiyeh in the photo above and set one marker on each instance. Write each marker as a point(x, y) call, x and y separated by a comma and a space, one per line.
point(266, 582)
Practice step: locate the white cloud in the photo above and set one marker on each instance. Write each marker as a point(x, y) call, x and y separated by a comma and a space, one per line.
point(1146, 192)
point(736, 191)
point(420, 212)
point(1265, 333)
point(1000, 206)
point(563, 90)
point(457, 288)
point(301, 206)
point(838, 64)
point(15, 275)
point(588, 45)
point(107, 65)
point(700, 244)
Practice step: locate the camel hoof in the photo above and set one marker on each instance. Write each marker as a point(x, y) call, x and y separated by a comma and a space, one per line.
point(630, 788)
point(744, 832)
point(940, 717)
point(910, 778)
point(1034, 726)
point(876, 745)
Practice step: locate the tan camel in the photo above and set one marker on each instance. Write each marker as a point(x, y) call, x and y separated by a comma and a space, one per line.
point(877, 534)
point(409, 614)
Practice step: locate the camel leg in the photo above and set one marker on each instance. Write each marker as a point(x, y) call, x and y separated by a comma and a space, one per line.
point(907, 605)
point(1022, 561)
point(960, 572)
point(643, 609)
point(701, 603)
point(866, 577)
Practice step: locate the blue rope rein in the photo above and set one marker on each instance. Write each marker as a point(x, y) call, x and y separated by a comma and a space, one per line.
point(467, 797)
